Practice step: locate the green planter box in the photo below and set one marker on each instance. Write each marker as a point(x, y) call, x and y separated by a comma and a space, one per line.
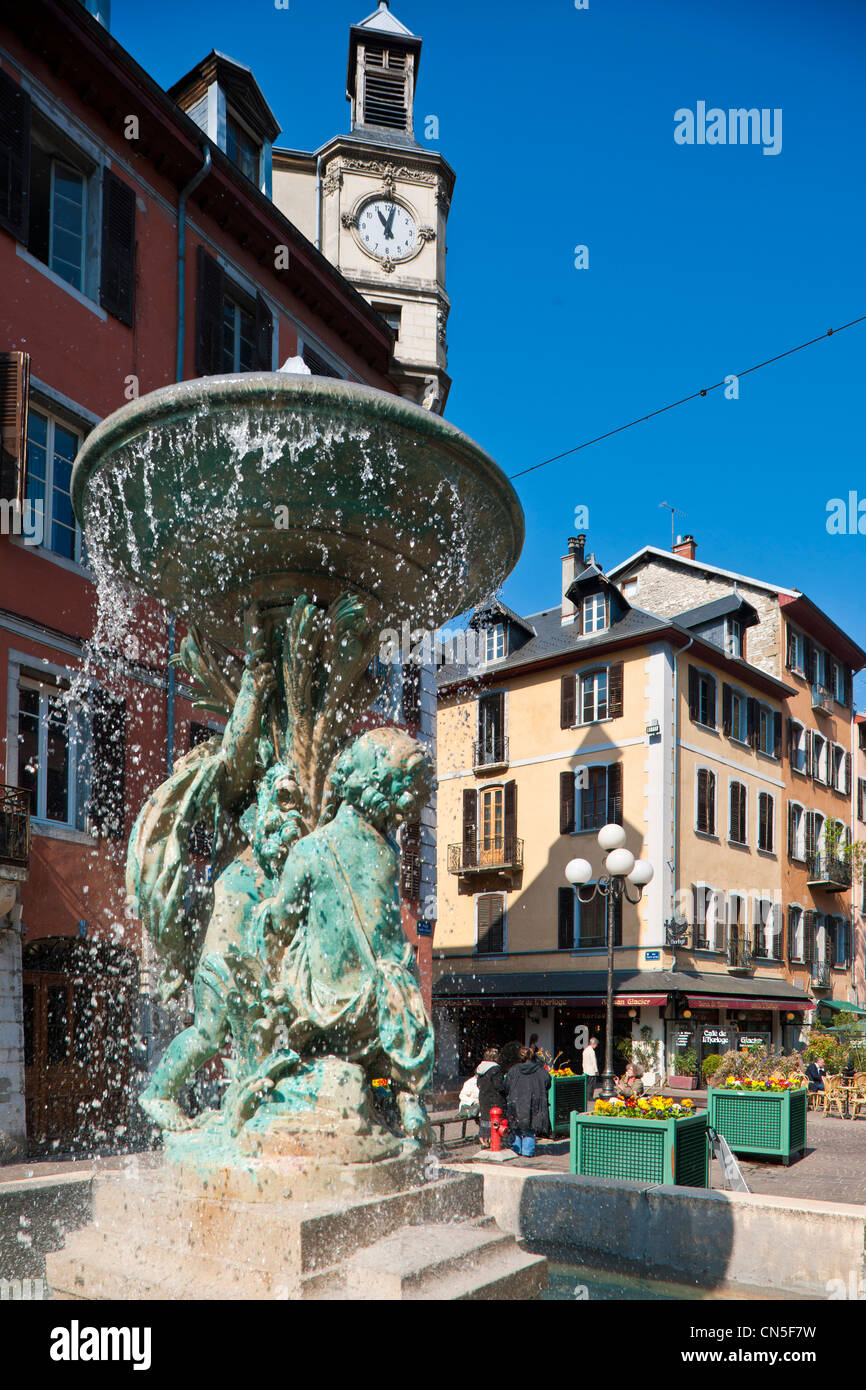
point(771, 1123)
point(566, 1093)
point(654, 1151)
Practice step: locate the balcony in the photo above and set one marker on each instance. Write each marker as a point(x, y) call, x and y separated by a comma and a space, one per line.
point(14, 831)
point(821, 699)
point(820, 974)
point(826, 871)
point(488, 856)
point(740, 960)
point(493, 752)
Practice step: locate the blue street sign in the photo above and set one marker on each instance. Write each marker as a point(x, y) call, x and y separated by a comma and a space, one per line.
point(425, 928)
point(651, 955)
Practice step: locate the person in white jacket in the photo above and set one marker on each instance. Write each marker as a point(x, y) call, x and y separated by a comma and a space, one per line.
point(589, 1063)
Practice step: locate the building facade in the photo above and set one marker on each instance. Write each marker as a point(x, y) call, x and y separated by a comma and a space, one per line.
point(674, 720)
point(139, 245)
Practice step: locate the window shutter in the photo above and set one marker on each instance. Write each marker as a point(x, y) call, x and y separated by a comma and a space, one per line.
point(209, 315)
point(791, 649)
point(791, 742)
point(567, 699)
point(565, 919)
point(847, 678)
point(614, 794)
point(117, 277)
point(264, 359)
point(790, 830)
point(789, 944)
point(410, 862)
point(491, 924)
point(14, 158)
point(846, 774)
point(808, 937)
point(777, 734)
point(809, 753)
point(727, 710)
point(566, 802)
point(14, 405)
point(578, 616)
point(470, 825)
point(614, 691)
point(509, 815)
point(861, 798)
point(694, 694)
point(754, 722)
point(809, 660)
point(108, 763)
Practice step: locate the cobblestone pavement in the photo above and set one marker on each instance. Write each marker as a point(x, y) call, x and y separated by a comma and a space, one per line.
point(832, 1170)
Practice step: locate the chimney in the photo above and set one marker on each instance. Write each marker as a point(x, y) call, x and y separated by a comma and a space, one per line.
point(685, 546)
point(572, 565)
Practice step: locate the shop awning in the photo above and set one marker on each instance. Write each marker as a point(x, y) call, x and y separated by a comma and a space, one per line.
point(633, 988)
point(841, 1006)
point(715, 1001)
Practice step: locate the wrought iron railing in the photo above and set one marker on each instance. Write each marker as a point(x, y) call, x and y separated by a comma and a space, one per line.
point(828, 870)
point(496, 853)
point(820, 974)
point(491, 752)
point(739, 954)
point(820, 697)
point(15, 827)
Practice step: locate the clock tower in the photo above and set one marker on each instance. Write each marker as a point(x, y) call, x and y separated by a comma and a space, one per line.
point(384, 198)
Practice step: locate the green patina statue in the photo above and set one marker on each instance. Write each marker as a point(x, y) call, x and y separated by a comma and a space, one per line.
point(297, 952)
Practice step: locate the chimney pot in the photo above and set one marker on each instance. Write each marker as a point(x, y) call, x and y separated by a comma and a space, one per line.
point(686, 546)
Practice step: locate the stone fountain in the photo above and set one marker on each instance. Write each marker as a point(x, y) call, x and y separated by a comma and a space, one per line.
point(287, 521)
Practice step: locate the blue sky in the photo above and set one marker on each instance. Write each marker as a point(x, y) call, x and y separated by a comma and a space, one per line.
point(702, 259)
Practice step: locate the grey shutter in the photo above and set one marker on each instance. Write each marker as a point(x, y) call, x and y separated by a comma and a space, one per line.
point(567, 702)
point(614, 691)
point(491, 925)
point(777, 734)
point(614, 794)
point(727, 710)
point(694, 695)
point(846, 774)
point(566, 802)
point(565, 919)
point(509, 818)
point(117, 275)
point(790, 830)
point(264, 336)
point(209, 315)
point(15, 110)
point(470, 827)
point(108, 764)
point(14, 406)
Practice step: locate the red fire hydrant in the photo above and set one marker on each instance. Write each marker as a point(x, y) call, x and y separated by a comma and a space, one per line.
point(498, 1127)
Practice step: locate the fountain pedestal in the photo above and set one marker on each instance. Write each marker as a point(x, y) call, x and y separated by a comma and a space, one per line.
point(296, 1229)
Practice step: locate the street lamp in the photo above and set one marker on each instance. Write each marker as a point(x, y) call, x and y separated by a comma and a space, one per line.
point(621, 869)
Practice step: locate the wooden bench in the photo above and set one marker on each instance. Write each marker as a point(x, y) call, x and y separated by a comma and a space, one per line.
point(454, 1118)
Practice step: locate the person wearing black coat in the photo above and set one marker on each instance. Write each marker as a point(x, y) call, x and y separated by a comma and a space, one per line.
point(491, 1092)
point(815, 1073)
point(526, 1086)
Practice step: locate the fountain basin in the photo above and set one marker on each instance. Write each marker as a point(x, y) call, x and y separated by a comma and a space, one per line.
point(215, 493)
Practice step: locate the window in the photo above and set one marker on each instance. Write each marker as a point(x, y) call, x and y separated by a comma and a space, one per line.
point(796, 831)
point(386, 90)
point(495, 642)
point(490, 924)
point(566, 900)
point(796, 934)
point(702, 698)
point(51, 450)
point(739, 725)
point(239, 329)
point(767, 731)
point(491, 747)
point(591, 934)
point(796, 658)
point(798, 747)
point(242, 150)
point(737, 815)
point(838, 934)
point(819, 667)
point(600, 801)
point(58, 211)
point(766, 823)
point(594, 616)
point(734, 637)
point(709, 917)
point(861, 799)
point(50, 755)
point(593, 696)
point(392, 314)
point(819, 759)
point(841, 770)
point(768, 929)
point(629, 588)
point(736, 928)
point(491, 822)
point(705, 820)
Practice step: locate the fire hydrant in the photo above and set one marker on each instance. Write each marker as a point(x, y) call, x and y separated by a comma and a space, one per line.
point(498, 1126)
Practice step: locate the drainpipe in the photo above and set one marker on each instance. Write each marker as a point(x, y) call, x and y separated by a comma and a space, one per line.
point(676, 723)
point(178, 376)
point(319, 202)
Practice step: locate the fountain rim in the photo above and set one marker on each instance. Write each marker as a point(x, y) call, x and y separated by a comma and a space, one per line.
point(179, 400)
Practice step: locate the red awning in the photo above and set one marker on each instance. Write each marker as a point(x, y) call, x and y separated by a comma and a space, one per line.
point(723, 1001)
point(621, 1001)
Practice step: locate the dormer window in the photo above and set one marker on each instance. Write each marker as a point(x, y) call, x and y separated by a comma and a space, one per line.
point(734, 638)
point(495, 643)
point(594, 614)
point(242, 150)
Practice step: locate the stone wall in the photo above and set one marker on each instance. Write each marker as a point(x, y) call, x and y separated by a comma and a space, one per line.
point(12, 1120)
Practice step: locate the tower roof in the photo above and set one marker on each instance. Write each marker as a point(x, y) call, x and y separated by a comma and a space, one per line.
point(381, 27)
point(384, 22)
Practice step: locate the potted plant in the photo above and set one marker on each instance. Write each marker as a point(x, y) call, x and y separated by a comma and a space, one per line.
point(761, 1111)
point(685, 1070)
point(649, 1139)
point(710, 1065)
point(567, 1093)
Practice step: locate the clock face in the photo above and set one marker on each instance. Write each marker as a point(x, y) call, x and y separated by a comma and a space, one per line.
point(386, 229)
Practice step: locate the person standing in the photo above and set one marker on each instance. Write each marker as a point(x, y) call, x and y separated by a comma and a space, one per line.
point(491, 1092)
point(526, 1087)
point(589, 1063)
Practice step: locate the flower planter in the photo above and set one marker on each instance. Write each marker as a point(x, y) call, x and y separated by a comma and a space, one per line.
point(683, 1083)
point(673, 1151)
point(769, 1123)
point(566, 1093)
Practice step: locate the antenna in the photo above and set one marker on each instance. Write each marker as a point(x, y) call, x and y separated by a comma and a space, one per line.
point(672, 510)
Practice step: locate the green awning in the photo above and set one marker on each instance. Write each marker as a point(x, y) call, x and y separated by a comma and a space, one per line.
point(841, 1006)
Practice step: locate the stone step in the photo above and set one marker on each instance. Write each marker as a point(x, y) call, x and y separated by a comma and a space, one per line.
point(404, 1262)
point(284, 1237)
point(514, 1276)
point(94, 1267)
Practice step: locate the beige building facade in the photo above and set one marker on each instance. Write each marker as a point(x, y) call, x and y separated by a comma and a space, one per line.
point(671, 717)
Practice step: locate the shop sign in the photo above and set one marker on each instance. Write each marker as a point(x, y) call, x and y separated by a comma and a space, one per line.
point(683, 1038)
point(754, 1039)
point(716, 1037)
